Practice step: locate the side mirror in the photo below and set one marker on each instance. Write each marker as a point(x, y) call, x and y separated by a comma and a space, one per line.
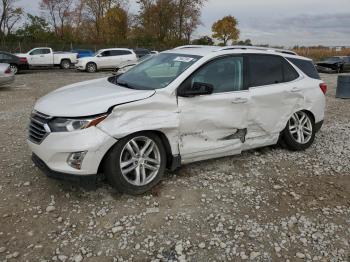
point(196, 89)
point(99, 55)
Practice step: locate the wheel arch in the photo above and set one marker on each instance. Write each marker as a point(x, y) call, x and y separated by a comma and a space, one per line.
point(172, 163)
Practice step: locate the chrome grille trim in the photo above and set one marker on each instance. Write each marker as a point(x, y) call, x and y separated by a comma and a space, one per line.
point(38, 127)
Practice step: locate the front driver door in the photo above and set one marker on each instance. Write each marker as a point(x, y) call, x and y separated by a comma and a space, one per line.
point(41, 57)
point(215, 125)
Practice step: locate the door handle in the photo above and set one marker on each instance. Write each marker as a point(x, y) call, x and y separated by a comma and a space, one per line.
point(295, 89)
point(240, 100)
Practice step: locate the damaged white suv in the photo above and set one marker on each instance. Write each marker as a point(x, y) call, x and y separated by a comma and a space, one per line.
point(187, 104)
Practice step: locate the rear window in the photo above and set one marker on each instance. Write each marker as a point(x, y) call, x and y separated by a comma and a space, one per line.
point(306, 66)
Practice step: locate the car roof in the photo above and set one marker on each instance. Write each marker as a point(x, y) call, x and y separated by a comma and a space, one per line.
point(210, 50)
point(122, 49)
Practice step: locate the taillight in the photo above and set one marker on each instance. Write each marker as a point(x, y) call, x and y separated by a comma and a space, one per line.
point(8, 71)
point(323, 87)
point(23, 60)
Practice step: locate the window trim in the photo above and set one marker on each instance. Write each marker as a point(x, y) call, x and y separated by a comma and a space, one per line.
point(184, 83)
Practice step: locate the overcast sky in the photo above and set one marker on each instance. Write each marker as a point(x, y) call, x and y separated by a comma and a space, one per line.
point(275, 22)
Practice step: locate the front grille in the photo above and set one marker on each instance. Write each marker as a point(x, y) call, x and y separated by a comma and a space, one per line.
point(38, 127)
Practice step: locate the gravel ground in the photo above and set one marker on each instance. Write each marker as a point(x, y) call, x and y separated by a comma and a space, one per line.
point(264, 205)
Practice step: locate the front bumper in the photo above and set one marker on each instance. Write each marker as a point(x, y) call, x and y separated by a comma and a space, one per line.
point(55, 149)
point(87, 179)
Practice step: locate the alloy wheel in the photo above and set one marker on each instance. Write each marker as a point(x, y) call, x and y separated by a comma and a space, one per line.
point(91, 68)
point(140, 161)
point(14, 69)
point(300, 127)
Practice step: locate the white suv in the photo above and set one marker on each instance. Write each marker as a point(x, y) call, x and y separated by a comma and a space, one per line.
point(183, 105)
point(106, 59)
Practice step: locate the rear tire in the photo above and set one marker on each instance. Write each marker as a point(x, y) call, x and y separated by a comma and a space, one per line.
point(65, 64)
point(136, 163)
point(14, 69)
point(91, 67)
point(299, 133)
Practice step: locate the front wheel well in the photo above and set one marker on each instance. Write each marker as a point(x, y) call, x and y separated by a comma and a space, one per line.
point(161, 135)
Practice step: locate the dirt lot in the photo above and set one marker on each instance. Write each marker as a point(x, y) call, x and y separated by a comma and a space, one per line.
point(265, 205)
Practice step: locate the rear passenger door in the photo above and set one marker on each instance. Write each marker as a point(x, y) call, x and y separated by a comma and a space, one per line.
point(275, 95)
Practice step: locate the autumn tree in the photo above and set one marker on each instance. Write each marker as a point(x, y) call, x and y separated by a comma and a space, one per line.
point(204, 40)
point(95, 11)
point(168, 21)
point(226, 29)
point(115, 25)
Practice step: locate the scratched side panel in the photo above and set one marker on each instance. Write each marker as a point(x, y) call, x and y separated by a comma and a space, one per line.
point(158, 112)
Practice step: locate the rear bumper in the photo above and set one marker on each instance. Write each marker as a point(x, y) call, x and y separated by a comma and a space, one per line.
point(4, 80)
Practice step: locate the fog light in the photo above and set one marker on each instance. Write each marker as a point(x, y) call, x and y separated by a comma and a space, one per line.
point(75, 159)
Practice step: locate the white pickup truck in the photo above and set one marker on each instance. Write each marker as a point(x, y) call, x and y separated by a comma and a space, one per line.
point(45, 57)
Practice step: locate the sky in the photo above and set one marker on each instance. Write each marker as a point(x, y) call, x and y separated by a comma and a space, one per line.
point(274, 22)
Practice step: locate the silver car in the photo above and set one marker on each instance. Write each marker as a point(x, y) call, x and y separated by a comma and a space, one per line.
point(6, 74)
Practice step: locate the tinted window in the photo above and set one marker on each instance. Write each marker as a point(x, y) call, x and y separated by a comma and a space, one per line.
point(289, 72)
point(120, 52)
point(225, 74)
point(40, 52)
point(45, 51)
point(306, 66)
point(106, 53)
point(264, 70)
point(36, 52)
point(6, 56)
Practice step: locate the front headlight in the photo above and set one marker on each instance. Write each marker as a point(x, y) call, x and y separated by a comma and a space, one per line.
point(61, 124)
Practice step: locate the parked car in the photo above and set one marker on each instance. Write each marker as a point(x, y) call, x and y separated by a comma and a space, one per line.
point(140, 52)
point(106, 59)
point(6, 74)
point(45, 57)
point(181, 106)
point(154, 52)
point(335, 64)
point(83, 53)
point(122, 68)
point(15, 62)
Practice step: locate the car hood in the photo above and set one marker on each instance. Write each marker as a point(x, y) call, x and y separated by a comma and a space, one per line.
point(88, 98)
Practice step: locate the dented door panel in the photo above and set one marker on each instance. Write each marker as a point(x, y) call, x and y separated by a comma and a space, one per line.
point(213, 125)
point(272, 106)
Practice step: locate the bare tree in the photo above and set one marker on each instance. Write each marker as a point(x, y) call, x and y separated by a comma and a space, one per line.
point(58, 13)
point(10, 15)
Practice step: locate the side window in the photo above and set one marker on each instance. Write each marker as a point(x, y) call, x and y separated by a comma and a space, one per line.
point(225, 74)
point(306, 66)
point(45, 51)
point(36, 52)
point(106, 53)
point(289, 72)
point(264, 70)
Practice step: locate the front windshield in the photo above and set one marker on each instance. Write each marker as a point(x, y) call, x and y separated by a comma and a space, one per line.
point(157, 72)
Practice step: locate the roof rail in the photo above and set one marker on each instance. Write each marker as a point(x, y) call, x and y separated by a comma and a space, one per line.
point(191, 46)
point(257, 48)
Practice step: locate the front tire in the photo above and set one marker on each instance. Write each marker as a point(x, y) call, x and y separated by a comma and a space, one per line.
point(300, 131)
point(136, 163)
point(91, 67)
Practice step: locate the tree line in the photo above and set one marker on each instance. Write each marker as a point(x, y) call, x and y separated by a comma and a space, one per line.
point(158, 24)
